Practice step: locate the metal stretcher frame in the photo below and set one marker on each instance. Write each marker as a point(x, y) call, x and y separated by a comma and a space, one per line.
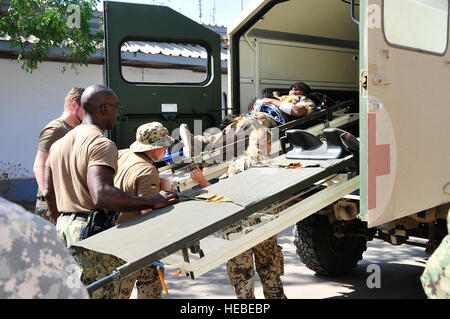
point(325, 114)
point(313, 175)
point(197, 266)
point(181, 176)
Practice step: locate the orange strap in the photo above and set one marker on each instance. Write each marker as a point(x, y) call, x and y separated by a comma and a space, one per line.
point(161, 277)
point(215, 199)
point(299, 165)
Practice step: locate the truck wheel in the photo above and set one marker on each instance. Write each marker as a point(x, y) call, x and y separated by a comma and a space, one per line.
point(324, 253)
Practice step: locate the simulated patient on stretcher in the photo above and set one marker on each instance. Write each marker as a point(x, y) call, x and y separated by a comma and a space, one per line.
point(264, 113)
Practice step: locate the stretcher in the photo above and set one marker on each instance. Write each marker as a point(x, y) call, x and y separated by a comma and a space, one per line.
point(336, 116)
point(187, 234)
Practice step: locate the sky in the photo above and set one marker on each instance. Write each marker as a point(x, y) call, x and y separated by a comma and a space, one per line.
point(225, 10)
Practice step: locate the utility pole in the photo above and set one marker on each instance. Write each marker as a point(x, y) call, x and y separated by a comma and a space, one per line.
point(214, 13)
point(200, 10)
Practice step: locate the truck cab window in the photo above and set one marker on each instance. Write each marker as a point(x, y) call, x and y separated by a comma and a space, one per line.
point(164, 62)
point(417, 24)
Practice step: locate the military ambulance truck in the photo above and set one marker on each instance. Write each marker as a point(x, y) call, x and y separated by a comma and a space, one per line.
point(390, 57)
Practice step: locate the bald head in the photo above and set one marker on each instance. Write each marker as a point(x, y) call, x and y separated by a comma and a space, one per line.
point(100, 106)
point(96, 95)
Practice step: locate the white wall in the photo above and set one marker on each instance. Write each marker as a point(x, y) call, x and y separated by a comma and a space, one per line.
point(29, 101)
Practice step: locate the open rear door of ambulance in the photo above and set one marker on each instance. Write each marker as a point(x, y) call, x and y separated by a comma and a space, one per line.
point(141, 43)
point(405, 113)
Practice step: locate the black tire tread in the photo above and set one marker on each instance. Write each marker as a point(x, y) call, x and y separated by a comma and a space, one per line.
point(315, 253)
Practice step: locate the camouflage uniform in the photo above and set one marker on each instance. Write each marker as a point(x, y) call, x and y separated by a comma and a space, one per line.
point(138, 176)
point(92, 265)
point(436, 276)
point(34, 262)
point(269, 264)
point(266, 256)
point(237, 128)
point(147, 282)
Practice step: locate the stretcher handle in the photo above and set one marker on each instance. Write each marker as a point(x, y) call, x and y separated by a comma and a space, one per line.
point(102, 282)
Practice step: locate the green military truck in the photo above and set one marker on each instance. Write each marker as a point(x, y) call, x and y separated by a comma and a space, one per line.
point(390, 57)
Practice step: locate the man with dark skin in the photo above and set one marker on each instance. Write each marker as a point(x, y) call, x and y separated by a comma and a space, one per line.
point(80, 177)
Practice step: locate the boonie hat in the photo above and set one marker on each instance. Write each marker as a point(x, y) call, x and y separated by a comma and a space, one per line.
point(151, 136)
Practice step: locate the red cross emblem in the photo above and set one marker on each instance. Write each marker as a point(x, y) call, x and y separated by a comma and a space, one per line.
point(378, 160)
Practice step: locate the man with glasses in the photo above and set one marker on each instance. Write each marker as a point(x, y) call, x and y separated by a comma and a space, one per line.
point(53, 131)
point(80, 179)
point(266, 113)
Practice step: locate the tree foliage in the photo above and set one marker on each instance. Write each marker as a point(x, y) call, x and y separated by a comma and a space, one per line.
point(36, 26)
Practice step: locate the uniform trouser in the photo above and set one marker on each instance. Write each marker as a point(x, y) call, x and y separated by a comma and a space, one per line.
point(242, 126)
point(233, 135)
point(436, 275)
point(147, 281)
point(268, 259)
point(93, 265)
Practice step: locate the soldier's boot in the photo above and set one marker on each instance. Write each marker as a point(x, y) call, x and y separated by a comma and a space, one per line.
point(245, 289)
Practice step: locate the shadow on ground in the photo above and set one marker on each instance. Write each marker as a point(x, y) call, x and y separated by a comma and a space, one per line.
point(400, 268)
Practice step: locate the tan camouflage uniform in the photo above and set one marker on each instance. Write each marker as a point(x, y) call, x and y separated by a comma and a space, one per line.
point(238, 128)
point(268, 259)
point(34, 262)
point(436, 276)
point(266, 256)
point(147, 282)
point(138, 176)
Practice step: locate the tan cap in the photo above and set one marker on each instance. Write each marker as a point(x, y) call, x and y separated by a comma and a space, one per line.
point(151, 136)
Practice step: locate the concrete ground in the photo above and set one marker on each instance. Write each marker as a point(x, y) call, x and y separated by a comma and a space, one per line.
point(400, 268)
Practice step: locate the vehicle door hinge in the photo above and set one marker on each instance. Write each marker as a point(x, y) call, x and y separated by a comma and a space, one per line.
point(226, 41)
point(364, 79)
point(363, 83)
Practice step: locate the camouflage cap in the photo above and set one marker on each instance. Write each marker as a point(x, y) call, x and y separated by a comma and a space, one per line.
point(151, 136)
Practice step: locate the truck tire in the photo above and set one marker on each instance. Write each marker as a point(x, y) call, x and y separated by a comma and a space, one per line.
point(324, 253)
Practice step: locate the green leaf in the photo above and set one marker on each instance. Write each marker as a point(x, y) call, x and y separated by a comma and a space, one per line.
point(48, 22)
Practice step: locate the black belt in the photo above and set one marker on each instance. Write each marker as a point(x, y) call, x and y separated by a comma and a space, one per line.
point(78, 216)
